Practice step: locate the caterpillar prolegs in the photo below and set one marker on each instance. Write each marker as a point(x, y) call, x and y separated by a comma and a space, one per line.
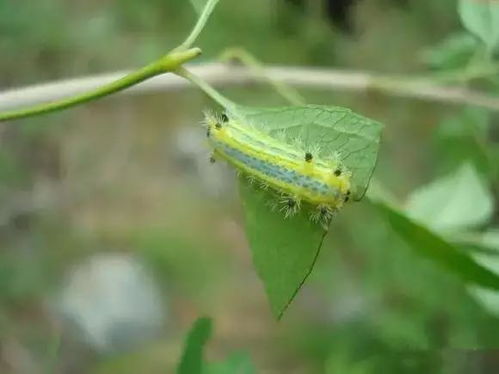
point(297, 176)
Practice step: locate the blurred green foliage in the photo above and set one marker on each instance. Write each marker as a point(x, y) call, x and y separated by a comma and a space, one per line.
point(192, 357)
point(106, 178)
point(482, 19)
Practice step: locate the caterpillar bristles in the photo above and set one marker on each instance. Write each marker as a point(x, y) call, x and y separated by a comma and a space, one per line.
point(264, 186)
point(290, 205)
point(335, 157)
point(297, 143)
point(210, 118)
point(315, 150)
point(322, 214)
point(294, 173)
point(251, 178)
point(280, 135)
point(272, 204)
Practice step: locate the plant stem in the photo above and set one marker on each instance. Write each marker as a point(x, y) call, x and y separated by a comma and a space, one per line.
point(200, 24)
point(168, 63)
point(289, 93)
point(219, 74)
point(206, 88)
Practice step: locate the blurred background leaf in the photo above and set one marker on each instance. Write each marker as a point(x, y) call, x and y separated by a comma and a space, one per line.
point(451, 53)
point(192, 361)
point(130, 175)
point(481, 18)
point(431, 245)
point(454, 202)
point(237, 363)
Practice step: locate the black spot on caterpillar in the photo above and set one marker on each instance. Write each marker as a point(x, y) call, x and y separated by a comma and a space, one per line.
point(294, 175)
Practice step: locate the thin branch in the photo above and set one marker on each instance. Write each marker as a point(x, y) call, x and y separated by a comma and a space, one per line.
point(205, 87)
point(167, 63)
point(221, 74)
point(258, 69)
point(200, 24)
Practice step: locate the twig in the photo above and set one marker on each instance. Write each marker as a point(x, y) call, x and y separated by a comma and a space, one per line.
point(200, 24)
point(167, 63)
point(258, 69)
point(222, 74)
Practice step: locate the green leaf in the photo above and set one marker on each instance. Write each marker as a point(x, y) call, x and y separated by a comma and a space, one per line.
point(333, 129)
point(455, 52)
point(237, 363)
point(464, 135)
point(489, 299)
point(481, 18)
point(486, 252)
point(457, 201)
point(285, 250)
point(198, 5)
point(480, 242)
point(490, 239)
point(429, 244)
point(192, 357)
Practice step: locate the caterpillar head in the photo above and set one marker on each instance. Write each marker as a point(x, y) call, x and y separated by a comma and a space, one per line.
point(213, 121)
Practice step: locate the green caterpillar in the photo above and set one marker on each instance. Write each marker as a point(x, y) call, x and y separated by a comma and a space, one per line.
point(297, 176)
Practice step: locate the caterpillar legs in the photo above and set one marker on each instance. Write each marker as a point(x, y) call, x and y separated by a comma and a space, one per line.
point(289, 205)
point(323, 214)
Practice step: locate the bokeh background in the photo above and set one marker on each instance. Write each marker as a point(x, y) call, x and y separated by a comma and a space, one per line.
point(116, 233)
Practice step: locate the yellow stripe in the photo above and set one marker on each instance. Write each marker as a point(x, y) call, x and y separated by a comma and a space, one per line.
point(300, 166)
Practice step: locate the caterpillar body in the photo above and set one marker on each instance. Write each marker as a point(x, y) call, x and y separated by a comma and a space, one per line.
point(296, 175)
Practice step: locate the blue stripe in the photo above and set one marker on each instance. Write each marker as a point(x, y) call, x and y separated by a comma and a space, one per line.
point(276, 171)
